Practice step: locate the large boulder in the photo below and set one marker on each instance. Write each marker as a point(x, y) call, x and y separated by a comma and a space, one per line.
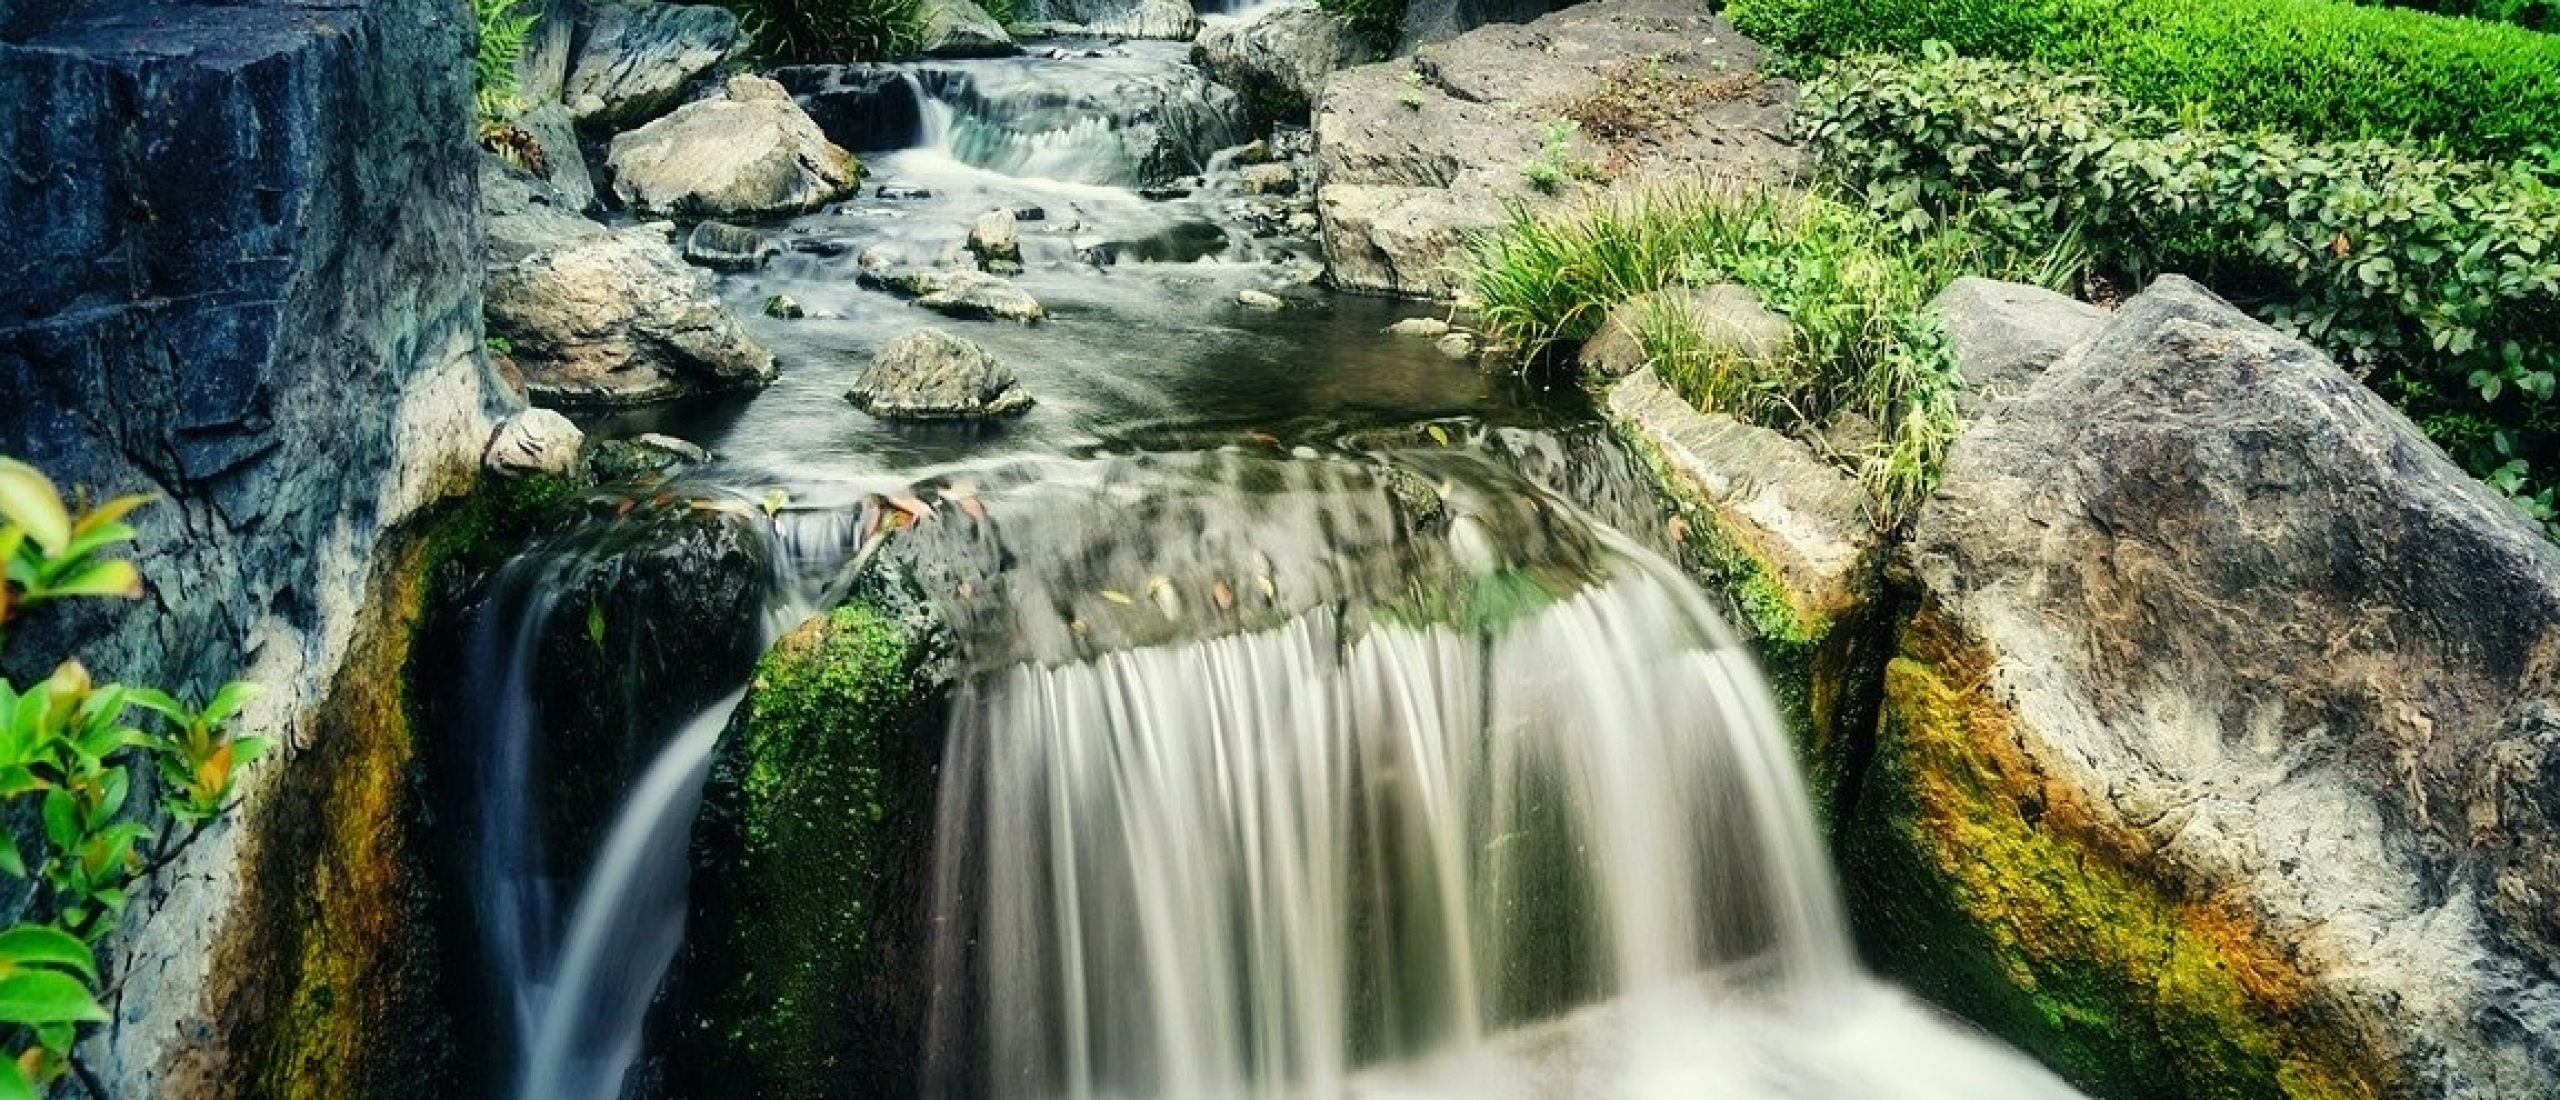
point(242, 275)
point(1170, 20)
point(1280, 56)
point(603, 317)
point(635, 58)
point(930, 374)
point(1417, 155)
point(805, 971)
point(2005, 334)
point(751, 153)
point(2219, 756)
point(1788, 539)
point(961, 293)
point(958, 28)
point(562, 162)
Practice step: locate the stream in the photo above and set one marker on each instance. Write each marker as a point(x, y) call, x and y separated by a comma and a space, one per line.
point(1255, 783)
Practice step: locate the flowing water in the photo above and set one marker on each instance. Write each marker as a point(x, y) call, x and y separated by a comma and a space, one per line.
point(1332, 722)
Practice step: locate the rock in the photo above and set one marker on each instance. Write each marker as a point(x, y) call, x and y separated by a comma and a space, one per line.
point(1456, 345)
point(825, 870)
point(930, 374)
point(1268, 179)
point(1261, 300)
point(535, 441)
point(1169, 20)
point(1142, 120)
point(1427, 328)
point(2229, 706)
point(889, 193)
point(242, 275)
point(645, 459)
point(964, 294)
point(683, 450)
point(1402, 189)
point(753, 153)
point(634, 59)
point(2005, 334)
point(1728, 319)
point(1429, 21)
point(726, 247)
point(1279, 58)
point(542, 70)
point(995, 238)
point(601, 317)
point(958, 28)
point(864, 107)
point(563, 161)
point(784, 307)
point(1786, 536)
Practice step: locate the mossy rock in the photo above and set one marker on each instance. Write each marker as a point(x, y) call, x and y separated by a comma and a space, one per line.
point(804, 974)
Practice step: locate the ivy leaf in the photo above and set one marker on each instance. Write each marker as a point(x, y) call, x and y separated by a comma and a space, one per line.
point(35, 997)
point(43, 945)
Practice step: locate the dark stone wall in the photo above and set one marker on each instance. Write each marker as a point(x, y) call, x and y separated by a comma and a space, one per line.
point(242, 273)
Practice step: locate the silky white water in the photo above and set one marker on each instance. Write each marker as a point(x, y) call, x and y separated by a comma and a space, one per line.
point(1396, 860)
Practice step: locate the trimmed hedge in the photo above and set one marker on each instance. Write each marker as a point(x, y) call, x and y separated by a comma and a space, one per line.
point(2316, 68)
point(2541, 15)
point(2438, 279)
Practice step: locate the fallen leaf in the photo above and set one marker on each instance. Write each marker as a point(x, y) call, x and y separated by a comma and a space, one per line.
point(1439, 436)
point(1118, 597)
point(1678, 529)
point(1223, 596)
point(1270, 591)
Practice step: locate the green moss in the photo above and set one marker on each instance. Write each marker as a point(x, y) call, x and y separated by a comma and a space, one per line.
point(1992, 892)
point(812, 852)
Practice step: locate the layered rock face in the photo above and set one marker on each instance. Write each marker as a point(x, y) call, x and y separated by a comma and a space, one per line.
point(257, 298)
point(2218, 757)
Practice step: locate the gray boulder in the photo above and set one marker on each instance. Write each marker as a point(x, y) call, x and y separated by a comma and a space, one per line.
point(1726, 317)
point(535, 441)
point(752, 153)
point(1407, 173)
point(598, 316)
point(1170, 20)
point(564, 163)
point(634, 59)
point(725, 247)
point(1280, 57)
point(542, 70)
point(959, 293)
point(958, 28)
point(2230, 706)
point(930, 374)
point(2005, 334)
point(996, 238)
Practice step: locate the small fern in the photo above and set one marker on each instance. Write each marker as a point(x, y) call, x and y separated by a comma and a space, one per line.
point(503, 35)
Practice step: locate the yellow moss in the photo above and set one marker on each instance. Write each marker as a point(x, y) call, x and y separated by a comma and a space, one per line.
point(2121, 983)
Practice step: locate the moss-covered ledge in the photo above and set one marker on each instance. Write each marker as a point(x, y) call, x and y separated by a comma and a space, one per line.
point(1785, 537)
point(803, 972)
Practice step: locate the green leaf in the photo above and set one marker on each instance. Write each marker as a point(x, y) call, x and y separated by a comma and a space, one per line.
point(114, 577)
point(28, 499)
point(230, 700)
point(43, 945)
point(35, 997)
point(13, 1082)
point(61, 818)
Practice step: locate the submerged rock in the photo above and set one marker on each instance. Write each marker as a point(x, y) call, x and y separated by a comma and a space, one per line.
point(930, 374)
point(958, 28)
point(1262, 300)
point(2215, 761)
point(1426, 328)
point(963, 294)
point(634, 59)
point(752, 153)
point(1412, 167)
point(726, 247)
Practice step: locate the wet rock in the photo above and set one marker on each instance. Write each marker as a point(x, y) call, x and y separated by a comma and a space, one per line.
point(962, 293)
point(2005, 334)
point(1280, 58)
point(996, 238)
point(648, 458)
point(751, 153)
point(535, 441)
point(1164, 118)
point(634, 59)
point(1169, 20)
point(930, 374)
point(1268, 179)
point(1261, 300)
point(2229, 705)
point(1427, 328)
point(891, 193)
point(1456, 345)
point(599, 316)
point(1787, 537)
point(821, 873)
point(958, 28)
point(784, 307)
point(1403, 189)
point(1728, 319)
point(726, 247)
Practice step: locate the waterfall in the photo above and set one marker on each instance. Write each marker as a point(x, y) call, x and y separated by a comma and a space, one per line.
point(1248, 866)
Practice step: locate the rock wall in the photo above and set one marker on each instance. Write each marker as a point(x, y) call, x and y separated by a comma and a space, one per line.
point(244, 275)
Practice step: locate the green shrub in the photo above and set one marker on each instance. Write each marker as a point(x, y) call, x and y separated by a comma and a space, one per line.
point(2317, 68)
point(1379, 21)
point(2438, 280)
point(822, 31)
point(1854, 289)
point(2541, 15)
